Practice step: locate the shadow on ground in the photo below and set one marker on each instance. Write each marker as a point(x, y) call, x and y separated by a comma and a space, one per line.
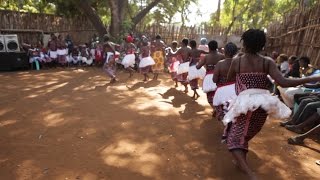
point(73, 124)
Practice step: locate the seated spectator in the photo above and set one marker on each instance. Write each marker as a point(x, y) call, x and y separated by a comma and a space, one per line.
point(288, 93)
point(294, 67)
point(75, 56)
point(85, 55)
point(34, 56)
point(283, 64)
point(308, 104)
point(306, 68)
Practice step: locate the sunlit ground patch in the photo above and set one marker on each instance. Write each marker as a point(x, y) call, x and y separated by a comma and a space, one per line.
point(133, 156)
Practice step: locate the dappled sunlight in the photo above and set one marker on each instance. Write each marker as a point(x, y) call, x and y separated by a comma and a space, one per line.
point(133, 156)
point(76, 125)
point(29, 170)
point(7, 122)
point(52, 119)
point(47, 90)
point(5, 110)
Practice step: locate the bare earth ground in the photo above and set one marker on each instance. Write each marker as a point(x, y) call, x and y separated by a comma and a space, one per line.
point(71, 124)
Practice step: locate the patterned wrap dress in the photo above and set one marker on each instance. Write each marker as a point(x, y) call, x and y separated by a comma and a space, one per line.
point(158, 58)
point(247, 125)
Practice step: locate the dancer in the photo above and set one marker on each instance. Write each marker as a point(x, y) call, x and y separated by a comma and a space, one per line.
point(250, 71)
point(173, 61)
point(183, 54)
point(194, 73)
point(109, 65)
point(210, 61)
point(146, 62)
point(129, 59)
point(157, 49)
point(204, 47)
point(225, 89)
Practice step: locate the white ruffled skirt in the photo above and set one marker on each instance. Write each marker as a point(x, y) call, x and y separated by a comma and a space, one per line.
point(146, 61)
point(128, 60)
point(53, 54)
point(62, 52)
point(86, 60)
point(208, 85)
point(224, 94)
point(183, 68)
point(251, 100)
point(195, 73)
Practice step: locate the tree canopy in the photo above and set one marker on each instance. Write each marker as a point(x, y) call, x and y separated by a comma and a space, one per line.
point(254, 14)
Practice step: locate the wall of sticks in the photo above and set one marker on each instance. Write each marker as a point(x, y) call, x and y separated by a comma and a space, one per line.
point(297, 34)
point(30, 27)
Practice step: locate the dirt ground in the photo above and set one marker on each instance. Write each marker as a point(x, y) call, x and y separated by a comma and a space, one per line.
point(71, 124)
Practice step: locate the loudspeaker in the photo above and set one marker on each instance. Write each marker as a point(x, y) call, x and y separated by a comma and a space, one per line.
point(2, 46)
point(11, 43)
point(13, 61)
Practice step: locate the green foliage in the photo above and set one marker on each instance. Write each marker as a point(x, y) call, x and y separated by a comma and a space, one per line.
point(34, 6)
point(259, 14)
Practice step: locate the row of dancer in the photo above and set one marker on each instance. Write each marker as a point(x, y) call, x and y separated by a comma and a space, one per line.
point(146, 64)
point(239, 85)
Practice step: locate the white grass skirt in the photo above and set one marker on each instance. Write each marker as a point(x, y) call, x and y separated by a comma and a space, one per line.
point(251, 100)
point(87, 60)
point(61, 52)
point(183, 68)
point(53, 54)
point(173, 67)
point(146, 61)
point(128, 60)
point(208, 85)
point(195, 73)
point(224, 94)
point(92, 52)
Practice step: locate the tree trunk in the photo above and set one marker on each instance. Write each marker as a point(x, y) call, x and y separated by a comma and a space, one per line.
point(144, 12)
point(118, 9)
point(92, 15)
point(218, 11)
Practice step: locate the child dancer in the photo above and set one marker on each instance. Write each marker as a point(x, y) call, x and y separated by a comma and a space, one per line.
point(173, 61)
point(183, 54)
point(210, 61)
point(194, 74)
point(146, 62)
point(129, 59)
point(109, 65)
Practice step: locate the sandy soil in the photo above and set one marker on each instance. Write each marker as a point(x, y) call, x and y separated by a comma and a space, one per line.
point(71, 124)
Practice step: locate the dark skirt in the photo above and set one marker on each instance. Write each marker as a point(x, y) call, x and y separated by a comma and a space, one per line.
point(245, 128)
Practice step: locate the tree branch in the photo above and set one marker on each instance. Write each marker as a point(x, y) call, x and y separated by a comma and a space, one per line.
point(92, 15)
point(144, 12)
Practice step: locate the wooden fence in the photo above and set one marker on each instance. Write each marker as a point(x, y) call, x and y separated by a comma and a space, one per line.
point(171, 32)
point(297, 34)
point(31, 26)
